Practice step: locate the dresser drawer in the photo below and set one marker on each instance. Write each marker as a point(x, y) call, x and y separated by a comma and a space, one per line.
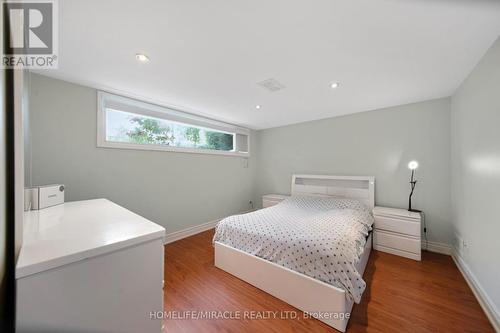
point(396, 241)
point(402, 226)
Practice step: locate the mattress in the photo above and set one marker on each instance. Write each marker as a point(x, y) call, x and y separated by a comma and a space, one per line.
point(321, 237)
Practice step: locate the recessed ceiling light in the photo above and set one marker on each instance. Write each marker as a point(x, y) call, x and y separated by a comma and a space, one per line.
point(334, 85)
point(257, 106)
point(142, 57)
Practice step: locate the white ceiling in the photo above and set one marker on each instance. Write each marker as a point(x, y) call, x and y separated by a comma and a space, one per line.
point(208, 56)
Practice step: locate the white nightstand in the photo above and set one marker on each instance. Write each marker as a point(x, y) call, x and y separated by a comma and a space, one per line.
point(397, 231)
point(269, 200)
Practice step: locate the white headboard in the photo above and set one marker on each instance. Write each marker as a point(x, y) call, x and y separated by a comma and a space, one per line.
point(354, 187)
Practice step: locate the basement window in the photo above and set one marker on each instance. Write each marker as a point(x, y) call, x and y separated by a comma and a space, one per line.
point(126, 123)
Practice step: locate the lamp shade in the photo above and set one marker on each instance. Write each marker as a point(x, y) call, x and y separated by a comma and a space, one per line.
point(413, 165)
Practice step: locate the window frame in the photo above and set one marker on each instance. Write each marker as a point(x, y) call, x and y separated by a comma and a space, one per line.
point(107, 100)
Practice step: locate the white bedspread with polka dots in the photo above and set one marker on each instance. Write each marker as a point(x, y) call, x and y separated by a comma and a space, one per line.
point(321, 237)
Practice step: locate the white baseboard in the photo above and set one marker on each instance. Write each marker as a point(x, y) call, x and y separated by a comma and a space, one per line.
point(484, 300)
point(178, 235)
point(437, 247)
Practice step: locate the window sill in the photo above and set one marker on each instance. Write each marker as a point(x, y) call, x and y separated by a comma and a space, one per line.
point(134, 146)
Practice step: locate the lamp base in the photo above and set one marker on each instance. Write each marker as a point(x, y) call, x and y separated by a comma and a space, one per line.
point(415, 210)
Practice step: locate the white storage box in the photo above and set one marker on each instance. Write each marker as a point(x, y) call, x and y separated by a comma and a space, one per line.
point(45, 196)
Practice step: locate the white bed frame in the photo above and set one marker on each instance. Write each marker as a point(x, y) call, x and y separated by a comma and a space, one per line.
point(301, 291)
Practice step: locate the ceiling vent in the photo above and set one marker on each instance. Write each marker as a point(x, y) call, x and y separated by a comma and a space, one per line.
point(272, 85)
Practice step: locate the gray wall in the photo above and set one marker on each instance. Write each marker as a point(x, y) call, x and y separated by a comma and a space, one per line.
point(475, 133)
point(376, 143)
point(176, 190)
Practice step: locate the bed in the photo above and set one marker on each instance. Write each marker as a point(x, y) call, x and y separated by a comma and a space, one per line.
point(310, 250)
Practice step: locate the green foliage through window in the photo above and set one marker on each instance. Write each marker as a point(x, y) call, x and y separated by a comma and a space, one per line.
point(150, 131)
point(219, 141)
point(132, 128)
point(193, 135)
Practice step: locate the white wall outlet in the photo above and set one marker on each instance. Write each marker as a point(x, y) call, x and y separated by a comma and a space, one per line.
point(465, 246)
point(458, 244)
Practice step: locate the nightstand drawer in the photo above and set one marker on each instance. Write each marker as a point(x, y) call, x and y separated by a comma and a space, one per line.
point(396, 241)
point(402, 226)
point(269, 200)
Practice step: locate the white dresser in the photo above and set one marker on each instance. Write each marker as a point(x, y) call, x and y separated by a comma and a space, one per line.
point(269, 200)
point(397, 231)
point(89, 266)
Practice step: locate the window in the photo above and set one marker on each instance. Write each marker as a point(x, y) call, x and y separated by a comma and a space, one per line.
point(130, 124)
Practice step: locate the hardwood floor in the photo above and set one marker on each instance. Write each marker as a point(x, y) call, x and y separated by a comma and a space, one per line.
point(402, 296)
